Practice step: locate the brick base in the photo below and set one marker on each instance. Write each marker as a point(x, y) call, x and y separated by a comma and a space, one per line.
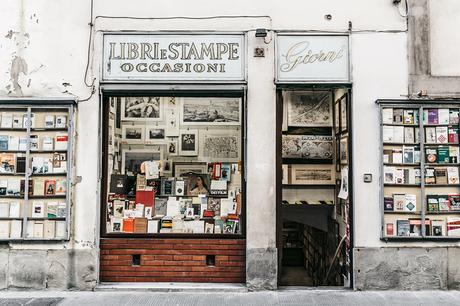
point(173, 260)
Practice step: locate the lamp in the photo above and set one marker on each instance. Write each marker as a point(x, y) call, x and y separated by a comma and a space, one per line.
point(261, 32)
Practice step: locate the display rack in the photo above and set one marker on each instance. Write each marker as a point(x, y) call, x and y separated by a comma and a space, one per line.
point(35, 169)
point(420, 191)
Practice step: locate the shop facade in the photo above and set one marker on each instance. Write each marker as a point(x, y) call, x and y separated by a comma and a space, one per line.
point(182, 131)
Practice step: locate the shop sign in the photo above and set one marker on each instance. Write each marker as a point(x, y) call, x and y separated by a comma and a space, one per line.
point(312, 58)
point(173, 57)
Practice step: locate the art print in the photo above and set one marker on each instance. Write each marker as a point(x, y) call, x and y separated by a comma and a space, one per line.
point(312, 174)
point(211, 111)
point(309, 109)
point(132, 159)
point(182, 169)
point(141, 108)
point(172, 122)
point(188, 141)
point(344, 150)
point(344, 113)
point(307, 146)
point(172, 148)
point(154, 133)
point(133, 133)
point(160, 207)
point(220, 147)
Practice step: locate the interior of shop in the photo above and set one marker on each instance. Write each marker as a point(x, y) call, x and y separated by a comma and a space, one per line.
point(314, 194)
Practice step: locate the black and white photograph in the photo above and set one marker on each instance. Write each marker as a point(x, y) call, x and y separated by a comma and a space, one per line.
point(220, 147)
point(131, 160)
point(160, 207)
point(188, 142)
point(312, 174)
point(141, 108)
point(154, 133)
point(172, 122)
point(211, 111)
point(309, 109)
point(307, 146)
point(133, 133)
point(172, 148)
point(183, 168)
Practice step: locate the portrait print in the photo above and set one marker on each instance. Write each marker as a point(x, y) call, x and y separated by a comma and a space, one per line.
point(141, 108)
point(211, 111)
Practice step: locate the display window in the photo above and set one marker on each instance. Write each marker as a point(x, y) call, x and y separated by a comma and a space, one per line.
point(173, 164)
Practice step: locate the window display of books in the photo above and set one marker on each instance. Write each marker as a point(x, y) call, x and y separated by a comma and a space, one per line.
point(34, 177)
point(420, 169)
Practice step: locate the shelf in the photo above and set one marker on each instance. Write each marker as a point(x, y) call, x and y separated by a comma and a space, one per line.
point(13, 174)
point(11, 197)
point(446, 124)
point(402, 212)
point(443, 212)
point(419, 238)
point(10, 218)
point(45, 218)
point(401, 144)
point(309, 185)
point(48, 197)
point(441, 144)
point(441, 185)
point(47, 151)
point(48, 174)
point(401, 124)
point(442, 164)
point(49, 129)
point(408, 165)
point(402, 185)
point(13, 151)
point(13, 129)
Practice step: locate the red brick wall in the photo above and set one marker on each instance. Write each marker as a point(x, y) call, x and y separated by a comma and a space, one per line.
point(173, 260)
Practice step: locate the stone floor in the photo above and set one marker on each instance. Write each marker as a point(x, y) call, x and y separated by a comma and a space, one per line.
point(265, 298)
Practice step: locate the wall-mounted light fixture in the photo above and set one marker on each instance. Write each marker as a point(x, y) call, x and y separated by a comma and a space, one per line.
point(261, 32)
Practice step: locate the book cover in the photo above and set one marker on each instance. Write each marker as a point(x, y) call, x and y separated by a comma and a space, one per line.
point(454, 200)
point(432, 202)
point(49, 229)
point(430, 135)
point(453, 226)
point(443, 116)
point(408, 116)
point(61, 121)
point(440, 175)
point(416, 155)
point(410, 202)
point(61, 187)
point(38, 209)
point(140, 225)
point(128, 225)
point(145, 197)
point(61, 229)
point(167, 187)
point(389, 229)
point(438, 227)
point(409, 136)
point(399, 202)
point(7, 162)
point(61, 210)
point(453, 135)
point(23, 187)
point(453, 154)
point(444, 204)
point(443, 155)
point(408, 155)
point(118, 184)
point(14, 187)
point(398, 114)
point(13, 143)
point(7, 120)
point(387, 115)
point(152, 226)
point(38, 229)
point(3, 186)
point(433, 116)
point(180, 188)
point(417, 135)
point(15, 229)
point(4, 229)
point(403, 228)
point(452, 175)
point(117, 224)
point(399, 176)
point(15, 210)
point(20, 164)
point(59, 162)
point(17, 121)
point(442, 134)
point(388, 204)
point(398, 134)
point(148, 212)
point(47, 143)
point(22, 143)
point(429, 176)
point(4, 209)
point(453, 116)
point(431, 155)
point(34, 141)
point(49, 121)
point(388, 156)
point(60, 141)
point(50, 187)
point(30, 229)
point(51, 209)
point(387, 133)
point(397, 156)
point(39, 187)
point(4, 140)
point(26, 122)
point(118, 208)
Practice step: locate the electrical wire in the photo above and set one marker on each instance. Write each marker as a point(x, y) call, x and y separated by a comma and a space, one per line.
point(88, 56)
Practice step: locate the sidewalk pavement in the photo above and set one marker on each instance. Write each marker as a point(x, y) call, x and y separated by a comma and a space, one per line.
point(231, 298)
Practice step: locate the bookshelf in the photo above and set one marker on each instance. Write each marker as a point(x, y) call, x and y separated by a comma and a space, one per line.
point(35, 170)
point(420, 187)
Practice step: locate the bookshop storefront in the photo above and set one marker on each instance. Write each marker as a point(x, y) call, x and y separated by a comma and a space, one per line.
point(173, 193)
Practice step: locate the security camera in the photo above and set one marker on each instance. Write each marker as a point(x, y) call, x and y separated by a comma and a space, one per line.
point(396, 2)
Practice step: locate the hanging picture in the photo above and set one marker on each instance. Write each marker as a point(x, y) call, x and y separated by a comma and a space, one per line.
point(141, 108)
point(133, 133)
point(172, 122)
point(344, 113)
point(131, 160)
point(220, 147)
point(182, 168)
point(172, 148)
point(307, 146)
point(309, 108)
point(312, 174)
point(188, 143)
point(337, 115)
point(285, 178)
point(211, 111)
point(154, 133)
point(344, 150)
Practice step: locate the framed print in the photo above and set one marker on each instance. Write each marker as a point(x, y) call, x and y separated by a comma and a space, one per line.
point(220, 147)
point(344, 113)
point(210, 111)
point(284, 125)
point(343, 150)
point(285, 178)
point(312, 174)
point(133, 133)
point(141, 109)
point(153, 133)
point(188, 143)
point(309, 108)
point(337, 154)
point(131, 160)
point(337, 116)
point(182, 168)
point(172, 122)
point(172, 148)
point(197, 184)
point(307, 146)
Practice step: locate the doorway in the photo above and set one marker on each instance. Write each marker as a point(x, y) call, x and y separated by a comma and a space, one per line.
point(314, 195)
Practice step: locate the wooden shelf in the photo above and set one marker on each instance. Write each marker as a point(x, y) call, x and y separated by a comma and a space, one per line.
point(402, 185)
point(402, 212)
point(401, 124)
point(309, 185)
point(401, 144)
point(402, 165)
point(449, 212)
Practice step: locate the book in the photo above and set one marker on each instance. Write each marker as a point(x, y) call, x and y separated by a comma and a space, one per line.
point(408, 155)
point(61, 229)
point(398, 114)
point(409, 136)
point(453, 154)
point(167, 186)
point(442, 134)
point(432, 202)
point(399, 201)
point(117, 224)
point(180, 188)
point(61, 121)
point(440, 175)
point(38, 209)
point(148, 212)
point(433, 116)
point(22, 143)
point(431, 155)
point(453, 116)
point(388, 205)
point(50, 187)
point(387, 115)
point(14, 187)
point(30, 229)
point(7, 120)
point(60, 141)
point(118, 208)
point(34, 141)
point(4, 209)
point(39, 187)
point(387, 156)
point(61, 187)
point(443, 155)
point(403, 228)
point(152, 226)
point(444, 204)
point(389, 229)
point(118, 184)
point(410, 201)
point(443, 116)
point(453, 135)
point(417, 176)
point(430, 178)
point(4, 140)
point(47, 143)
point(145, 197)
point(3, 187)
point(452, 175)
point(13, 143)
point(20, 164)
point(17, 121)
point(416, 155)
point(408, 116)
point(49, 229)
point(15, 210)
point(51, 209)
point(49, 121)
point(4, 229)
point(61, 210)
point(397, 156)
point(16, 229)
point(417, 135)
point(453, 226)
point(38, 229)
point(128, 225)
point(42, 165)
point(7, 162)
point(454, 201)
point(140, 225)
point(398, 134)
point(438, 227)
point(387, 133)
point(59, 162)
point(26, 122)
point(399, 176)
point(415, 227)
point(430, 135)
